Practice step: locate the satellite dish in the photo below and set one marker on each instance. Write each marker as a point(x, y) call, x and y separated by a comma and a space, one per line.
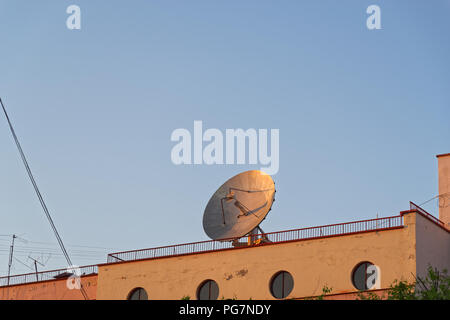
point(239, 205)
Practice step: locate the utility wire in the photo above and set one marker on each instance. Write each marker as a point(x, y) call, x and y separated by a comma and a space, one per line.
point(54, 244)
point(38, 193)
point(438, 196)
point(23, 263)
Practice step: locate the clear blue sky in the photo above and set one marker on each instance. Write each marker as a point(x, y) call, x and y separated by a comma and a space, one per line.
point(361, 113)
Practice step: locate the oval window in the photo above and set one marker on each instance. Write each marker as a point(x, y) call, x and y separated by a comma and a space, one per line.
point(360, 275)
point(208, 290)
point(138, 294)
point(281, 285)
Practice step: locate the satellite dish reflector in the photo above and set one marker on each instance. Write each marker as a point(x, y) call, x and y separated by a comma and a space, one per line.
point(239, 205)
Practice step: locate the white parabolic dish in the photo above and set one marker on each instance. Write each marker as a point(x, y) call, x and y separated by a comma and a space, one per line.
point(239, 205)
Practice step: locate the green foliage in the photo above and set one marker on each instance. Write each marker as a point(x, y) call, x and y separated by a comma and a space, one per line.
point(401, 290)
point(186, 298)
point(325, 290)
point(435, 286)
point(368, 296)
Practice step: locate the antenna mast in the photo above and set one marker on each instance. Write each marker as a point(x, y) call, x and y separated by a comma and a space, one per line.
point(35, 266)
point(11, 252)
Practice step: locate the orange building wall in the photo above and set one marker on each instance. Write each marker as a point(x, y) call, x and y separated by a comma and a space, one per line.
point(432, 246)
point(246, 273)
point(444, 188)
point(50, 290)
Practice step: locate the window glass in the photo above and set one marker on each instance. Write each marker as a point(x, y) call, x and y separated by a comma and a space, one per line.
point(281, 285)
point(138, 294)
point(360, 275)
point(208, 290)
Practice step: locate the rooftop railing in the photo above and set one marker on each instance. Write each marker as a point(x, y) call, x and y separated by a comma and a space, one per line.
point(414, 206)
point(259, 239)
point(331, 230)
point(255, 240)
point(45, 275)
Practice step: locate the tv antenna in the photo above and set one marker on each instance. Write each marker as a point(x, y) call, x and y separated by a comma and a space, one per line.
point(36, 262)
point(238, 207)
point(11, 253)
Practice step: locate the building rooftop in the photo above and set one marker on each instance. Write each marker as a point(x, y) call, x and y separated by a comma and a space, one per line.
point(257, 240)
point(442, 155)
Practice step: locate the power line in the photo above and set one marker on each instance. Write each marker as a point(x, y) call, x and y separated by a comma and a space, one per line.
point(23, 263)
point(73, 245)
point(67, 245)
point(443, 195)
point(43, 248)
point(38, 193)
